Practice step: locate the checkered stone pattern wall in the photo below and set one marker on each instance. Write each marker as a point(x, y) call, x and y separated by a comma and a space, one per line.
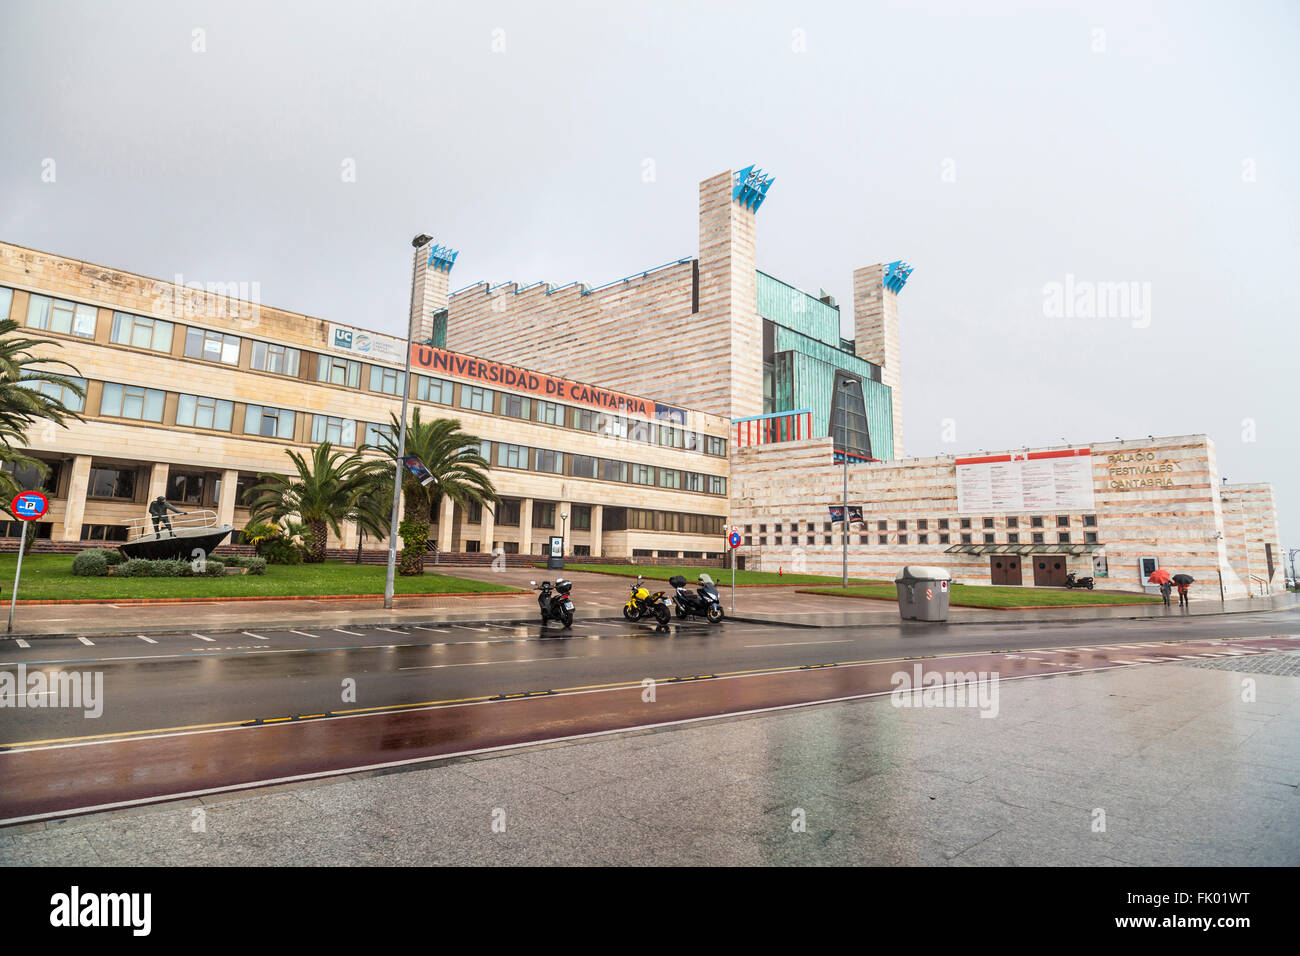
point(875, 319)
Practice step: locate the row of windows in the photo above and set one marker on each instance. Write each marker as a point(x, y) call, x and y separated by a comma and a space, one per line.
point(923, 524)
point(196, 411)
point(157, 335)
point(1038, 537)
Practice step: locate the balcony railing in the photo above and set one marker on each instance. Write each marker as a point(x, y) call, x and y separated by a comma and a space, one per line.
point(773, 428)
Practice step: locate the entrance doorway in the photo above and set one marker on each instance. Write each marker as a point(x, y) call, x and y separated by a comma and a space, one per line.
point(1049, 570)
point(1005, 569)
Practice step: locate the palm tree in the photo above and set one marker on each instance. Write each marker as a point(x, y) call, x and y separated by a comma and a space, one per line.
point(26, 399)
point(459, 473)
point(328, 490)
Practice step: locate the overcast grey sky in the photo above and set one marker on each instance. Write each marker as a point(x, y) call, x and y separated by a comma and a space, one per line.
point(997, 151)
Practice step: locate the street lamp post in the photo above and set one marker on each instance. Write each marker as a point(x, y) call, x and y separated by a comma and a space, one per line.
point(564, 532)
point(418, 242)
point(844, 452)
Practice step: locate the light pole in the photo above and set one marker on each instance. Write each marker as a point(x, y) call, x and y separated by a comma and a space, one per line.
point(844, 452)
point(564, 532)
point(418, 242)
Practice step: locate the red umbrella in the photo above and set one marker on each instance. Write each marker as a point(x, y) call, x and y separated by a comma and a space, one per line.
point(1158, 577)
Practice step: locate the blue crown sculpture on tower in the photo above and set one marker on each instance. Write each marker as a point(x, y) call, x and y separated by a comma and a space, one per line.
point(442, 258)
point(896, 274)
point(751, 187)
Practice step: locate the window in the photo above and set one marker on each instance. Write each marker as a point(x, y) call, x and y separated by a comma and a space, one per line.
point(902, 525)
point(552, 461)
point(1090, 521)
point(390, 381)
point(376, 434)
point(475, 398)
point(848, 418)
point(474, 512)
point(584, 466)
point(111, 483)
point(1013, 537)
point(516, 406)
point(586, 420)
point(1036, 521)
point(186, 487)
point(472, 547)
point(581, 550)
point(943, 524)
point(581, 517)
point(56, 315)
point(717, 485)
point(6, 302)
point(1090, 537)
point(988, 539)
point(433, 390)
point(692, 481)
point(336, 431)
point(269, 422)
point(543, 514)
point(508, 512)
point(27, 476)
point(1038, 537)
point(549, 413)
point(965, 539)
point(613, 470)
point(670, 478)
point(102, 532)
point(715, 446)
point(671, 437)
point(338, 371)
point(988, 522)
point(510, 547)
point(643, 475)
point(275, 358)
point(1063, 521)
point(1063, 537)
point(132, 401)
point(243, 485)
point(142, 333)
point(212, 346)
point(1013, 522)
point(922, 523)
point(511, 456)
point(965, 523)
point(943, 538)
point(882, 525)
point(199, 412)
point(62, 393)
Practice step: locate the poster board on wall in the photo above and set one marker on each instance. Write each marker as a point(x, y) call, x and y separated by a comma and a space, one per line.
point(1026, 482)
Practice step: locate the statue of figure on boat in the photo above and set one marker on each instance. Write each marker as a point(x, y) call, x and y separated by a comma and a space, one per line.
point(178, 539)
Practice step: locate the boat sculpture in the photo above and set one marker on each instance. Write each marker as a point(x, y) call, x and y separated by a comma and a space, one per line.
point(175, 537)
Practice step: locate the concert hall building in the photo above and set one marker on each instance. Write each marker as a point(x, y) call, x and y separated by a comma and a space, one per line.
point(192, 390)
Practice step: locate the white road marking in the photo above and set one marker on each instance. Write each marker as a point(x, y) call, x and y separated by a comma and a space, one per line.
point(22, 643)
point(438, 630)
point(466, 627)
point(251, 634)
point(147, 640)
point(522, 660)
point(1116, 660)
point(341, 631)
point(202, 638)
point(304, 634)
point(87, 641)
point(390, 630)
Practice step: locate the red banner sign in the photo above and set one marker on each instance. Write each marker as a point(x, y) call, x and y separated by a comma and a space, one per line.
point(430, 359)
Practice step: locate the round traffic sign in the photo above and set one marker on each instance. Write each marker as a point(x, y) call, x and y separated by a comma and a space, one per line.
point(733, 539)
point(29, 505)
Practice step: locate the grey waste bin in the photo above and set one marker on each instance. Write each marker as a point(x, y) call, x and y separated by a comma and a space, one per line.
point(923, 593)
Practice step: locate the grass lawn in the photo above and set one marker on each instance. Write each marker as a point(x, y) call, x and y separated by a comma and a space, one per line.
point(49, 577)
point(720, 576)
point(975, 595)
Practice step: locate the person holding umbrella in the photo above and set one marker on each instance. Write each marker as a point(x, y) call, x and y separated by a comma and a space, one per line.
point(1184, 581)
point(1161, 577)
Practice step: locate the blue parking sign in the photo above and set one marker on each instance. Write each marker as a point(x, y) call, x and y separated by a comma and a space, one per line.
point(29, 505)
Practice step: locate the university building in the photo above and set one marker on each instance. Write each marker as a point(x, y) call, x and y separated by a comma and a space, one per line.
point(757, 425)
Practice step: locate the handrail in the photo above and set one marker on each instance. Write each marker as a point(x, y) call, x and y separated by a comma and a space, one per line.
point(203, 518)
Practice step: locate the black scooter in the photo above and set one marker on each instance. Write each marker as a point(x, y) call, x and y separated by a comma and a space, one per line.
point(557, 606)
point(1071, 581)
point(703, 602)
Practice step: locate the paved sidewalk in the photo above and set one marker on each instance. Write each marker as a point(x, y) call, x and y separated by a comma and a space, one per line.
point(1183, 771)
point(596, 596)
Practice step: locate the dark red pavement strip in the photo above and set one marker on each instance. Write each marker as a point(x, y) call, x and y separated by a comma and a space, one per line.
point(231, 599)
point(62, 780)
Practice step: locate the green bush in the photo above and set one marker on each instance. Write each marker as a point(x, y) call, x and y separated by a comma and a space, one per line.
point(91, 563)
point(114, 556)
point(254, 565)
point(146, 568)
point(273, 544)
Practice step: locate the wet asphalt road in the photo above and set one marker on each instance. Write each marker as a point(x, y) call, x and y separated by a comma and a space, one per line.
point(188, 679)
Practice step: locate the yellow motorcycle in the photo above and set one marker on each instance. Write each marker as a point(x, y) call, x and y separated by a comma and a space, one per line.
point(642, 603)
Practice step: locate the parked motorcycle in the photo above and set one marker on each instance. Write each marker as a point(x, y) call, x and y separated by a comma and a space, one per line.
point(557, 606)
point(702, 602)
point(642, 603)
point(1072, 581)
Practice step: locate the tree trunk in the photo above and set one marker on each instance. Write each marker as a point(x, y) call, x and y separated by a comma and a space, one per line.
point(416, 510)
point(319, 533)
